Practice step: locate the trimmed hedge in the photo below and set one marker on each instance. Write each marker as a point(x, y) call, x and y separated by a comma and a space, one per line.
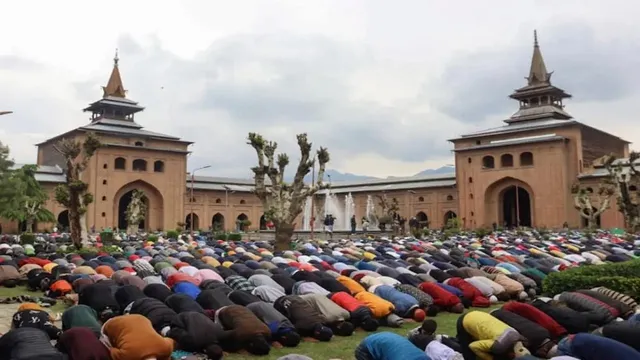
point(622, 277)
point(152, 238)
point(172, 234)
point(234, 237)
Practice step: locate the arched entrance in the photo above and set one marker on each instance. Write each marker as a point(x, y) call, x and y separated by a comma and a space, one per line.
point(449, 215)
point(241, 222)
point(509, 202)
point(263, 223)
point(516, 207)
point(217, 222)
point(123, 203)
point(63, 221)
point(154, 218)
point(423, 220)
point(196, 222)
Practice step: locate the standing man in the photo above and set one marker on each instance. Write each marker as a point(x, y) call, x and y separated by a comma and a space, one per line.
point(353, 224)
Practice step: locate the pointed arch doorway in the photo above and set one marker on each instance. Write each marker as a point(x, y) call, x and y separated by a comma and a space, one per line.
point(516, 207)
point(154, 219)
point(509, 202)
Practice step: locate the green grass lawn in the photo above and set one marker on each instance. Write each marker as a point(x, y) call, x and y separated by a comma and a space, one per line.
point(338, 348)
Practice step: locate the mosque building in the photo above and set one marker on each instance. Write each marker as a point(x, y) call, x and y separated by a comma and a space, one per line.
point(516, 174)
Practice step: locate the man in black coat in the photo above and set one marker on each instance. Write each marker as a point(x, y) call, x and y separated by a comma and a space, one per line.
point(100, 297)
point(538, 339)
point(181, 303)
point(306, 319)
point(27, 344)
point(160, 315)
point(195, 332)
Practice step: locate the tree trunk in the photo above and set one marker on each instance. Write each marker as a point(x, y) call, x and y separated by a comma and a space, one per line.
point(284, 233)
point(76, 228)
point(84, 232)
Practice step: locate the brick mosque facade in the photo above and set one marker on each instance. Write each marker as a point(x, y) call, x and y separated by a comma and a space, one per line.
point(517, 174)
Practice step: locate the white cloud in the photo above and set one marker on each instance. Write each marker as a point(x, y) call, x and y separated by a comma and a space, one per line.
point(382, 84)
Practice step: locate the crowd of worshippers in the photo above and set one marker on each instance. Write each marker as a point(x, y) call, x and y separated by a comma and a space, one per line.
point(597, 324)
point(152, 299)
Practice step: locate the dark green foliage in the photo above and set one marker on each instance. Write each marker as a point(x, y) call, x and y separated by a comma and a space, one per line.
point(220, 236)
point(482, 232)
point(152, 238)
point(234, 236)
point(27, 238)
point(622, 277)
point(106, 237)
point(172, 234)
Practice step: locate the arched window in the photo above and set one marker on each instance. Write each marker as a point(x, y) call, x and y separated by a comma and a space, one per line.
point(421, 199)
point(105, 166)
point(139, 143)
point(104, 198)
point(526, 159)
point(139, 165)
point(633, 188)
point(242, 202)
point(469, 160)
point(158, 166)
point(449, 197)
point(470, 180)
point(488, 162)
point(218, 201)
point(589, 190)
point(120, 163)
point(506, 160)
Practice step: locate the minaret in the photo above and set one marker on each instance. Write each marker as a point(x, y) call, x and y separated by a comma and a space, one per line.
point(114, 85)
point(539, 99)
point(114, 104)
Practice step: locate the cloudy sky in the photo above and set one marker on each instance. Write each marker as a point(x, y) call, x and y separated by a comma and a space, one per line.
point(382, 83)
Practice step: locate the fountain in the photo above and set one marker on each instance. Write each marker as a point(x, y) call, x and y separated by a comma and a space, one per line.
point(332, 206)
point(307, 214)
point(349, 210)
point(371, 216)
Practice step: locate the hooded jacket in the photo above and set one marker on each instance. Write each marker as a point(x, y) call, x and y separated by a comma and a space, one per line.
point(80, 316)
point(80, 343)
point(593, 347)
point(99, 297)
point(213, 299)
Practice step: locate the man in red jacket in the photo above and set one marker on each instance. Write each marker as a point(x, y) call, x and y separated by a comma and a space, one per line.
point(532, 313)
point(469, 292)
point(361, 315)
point(442, 298)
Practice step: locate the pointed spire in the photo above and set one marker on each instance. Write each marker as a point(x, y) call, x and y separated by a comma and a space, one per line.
point(538, 73)
point(114, 85)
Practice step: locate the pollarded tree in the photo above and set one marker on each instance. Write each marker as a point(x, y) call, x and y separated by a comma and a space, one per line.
point(27, 203)
point(625, 178)
point(73, 194)
point(282, 201)
point(591, 204)
point(136, 211)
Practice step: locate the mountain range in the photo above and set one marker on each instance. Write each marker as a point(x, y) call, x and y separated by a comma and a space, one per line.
point(335, 175)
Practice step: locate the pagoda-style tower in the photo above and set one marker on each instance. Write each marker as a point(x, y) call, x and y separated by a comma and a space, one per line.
point(114, 104)
point(539, 99)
